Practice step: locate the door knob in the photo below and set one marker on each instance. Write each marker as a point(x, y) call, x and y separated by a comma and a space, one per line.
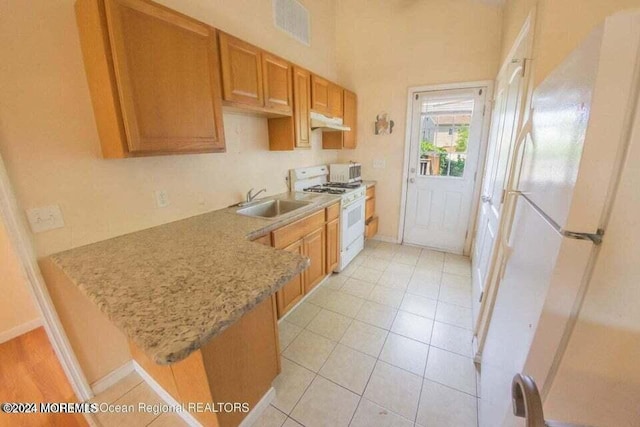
point(413, 170)
point(412, 180)
point(486, 198)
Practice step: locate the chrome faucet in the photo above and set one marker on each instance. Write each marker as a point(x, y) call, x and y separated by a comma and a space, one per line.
point(250, 196)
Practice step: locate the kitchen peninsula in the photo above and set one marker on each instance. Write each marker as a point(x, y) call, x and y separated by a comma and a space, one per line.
point(197, 299)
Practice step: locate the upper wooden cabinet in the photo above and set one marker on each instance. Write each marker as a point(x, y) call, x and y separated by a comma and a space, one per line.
point(320, 94)
point(288, 133)
point(350, 118)
point(241, 71)
point(153, 76)
point(301, 107)
point(335, 100)
point(277, 83)
point(340, 140)
point(255, 79)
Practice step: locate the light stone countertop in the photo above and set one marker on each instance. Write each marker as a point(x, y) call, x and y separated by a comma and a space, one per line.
point(174, 287)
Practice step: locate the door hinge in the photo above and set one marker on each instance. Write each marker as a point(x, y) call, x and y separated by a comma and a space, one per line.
point(417, 96)
point(466, 234)
point(504, 192)
point(484, 110)
point(481, 296)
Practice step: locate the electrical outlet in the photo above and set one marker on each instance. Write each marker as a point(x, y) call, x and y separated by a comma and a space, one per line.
point(45, 218)
point(162, 199)
point(379, 163)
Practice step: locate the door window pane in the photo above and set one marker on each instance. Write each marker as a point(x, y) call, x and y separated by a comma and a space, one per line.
point(444, 137)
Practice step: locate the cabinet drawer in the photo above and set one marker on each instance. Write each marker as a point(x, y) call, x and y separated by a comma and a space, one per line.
point(333, 212)
point(288, 234)
point(371, 192)
point(371, 228)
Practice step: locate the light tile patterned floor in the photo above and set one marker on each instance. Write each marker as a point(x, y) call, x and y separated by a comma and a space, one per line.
point(387, 342)
point(132, 390)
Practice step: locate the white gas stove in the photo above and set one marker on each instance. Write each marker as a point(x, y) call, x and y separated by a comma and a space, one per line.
point(314, 180)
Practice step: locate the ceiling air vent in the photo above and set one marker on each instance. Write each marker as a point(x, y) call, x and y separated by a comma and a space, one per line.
point(293, 18)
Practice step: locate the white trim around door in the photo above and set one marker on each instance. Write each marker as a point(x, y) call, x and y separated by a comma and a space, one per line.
point(20, 241)
point(487, 86)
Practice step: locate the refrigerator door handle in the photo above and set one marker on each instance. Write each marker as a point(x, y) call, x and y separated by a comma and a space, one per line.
point(527, 403)
point(596, 238)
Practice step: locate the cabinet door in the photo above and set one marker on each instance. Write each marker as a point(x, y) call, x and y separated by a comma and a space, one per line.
point(241, 71)
point(293, 291)
point(277, 83)
point(335, 100)
point(166, 68)
point(319, 94)
point(301, 106)
point(350, 118)
point(314, 248)
point(333, 244)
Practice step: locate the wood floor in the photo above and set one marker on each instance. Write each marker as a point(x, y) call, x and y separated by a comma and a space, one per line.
point(30, 372)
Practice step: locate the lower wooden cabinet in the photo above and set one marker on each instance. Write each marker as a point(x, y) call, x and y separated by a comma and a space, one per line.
point(314, 248)
point(370, 217)
point(292, 292)
point(316, 237)
point(333, 244)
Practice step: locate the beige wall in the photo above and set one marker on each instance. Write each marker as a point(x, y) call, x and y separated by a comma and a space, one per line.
point(386, 46)
point(560, 26)
point(17, 307)
point(50, 145)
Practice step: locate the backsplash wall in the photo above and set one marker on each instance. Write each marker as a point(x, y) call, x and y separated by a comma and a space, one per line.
point(49, 142)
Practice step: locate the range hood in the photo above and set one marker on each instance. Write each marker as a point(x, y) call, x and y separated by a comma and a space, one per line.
point(327, 124)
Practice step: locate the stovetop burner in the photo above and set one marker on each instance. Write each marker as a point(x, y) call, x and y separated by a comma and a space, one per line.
point(350, 185)
point(324, 189)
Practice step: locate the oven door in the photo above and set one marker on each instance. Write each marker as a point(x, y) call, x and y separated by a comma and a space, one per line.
point(352, 222)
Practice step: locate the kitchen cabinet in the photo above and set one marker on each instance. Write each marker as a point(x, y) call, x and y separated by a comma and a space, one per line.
point(350, 118)
point(288, 133)
point(316, 237)
point(278, 92)
point(292, 292)
point(335, 100)
point(301, 107)
point(242, 67)
point(153, 76)
point(347, 140)
point(239, 365)
point(315, 247)
point(370, 217)
point(333, 244)
point(320, 95)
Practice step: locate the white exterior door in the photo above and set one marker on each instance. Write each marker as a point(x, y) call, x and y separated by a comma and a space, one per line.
point(505, 119)
point(446, 131)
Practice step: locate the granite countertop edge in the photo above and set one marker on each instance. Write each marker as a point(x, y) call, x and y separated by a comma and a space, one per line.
point(127, 299)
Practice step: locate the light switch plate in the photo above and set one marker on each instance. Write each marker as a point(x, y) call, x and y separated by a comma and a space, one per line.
point(162, 198)
point(379, 163)
point(45, 218)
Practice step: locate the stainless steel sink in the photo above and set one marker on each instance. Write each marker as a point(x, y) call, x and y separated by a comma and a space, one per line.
point(272, 208)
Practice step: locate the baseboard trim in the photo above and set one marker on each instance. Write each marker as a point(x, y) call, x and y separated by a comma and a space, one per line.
point(112, 377)
point(20, 330)
point(260, 407)
point(248, 421)
point(169, 400)
point(386, 239)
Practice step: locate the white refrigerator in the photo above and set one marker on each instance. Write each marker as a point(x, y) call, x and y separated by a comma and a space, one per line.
point(569, 167)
